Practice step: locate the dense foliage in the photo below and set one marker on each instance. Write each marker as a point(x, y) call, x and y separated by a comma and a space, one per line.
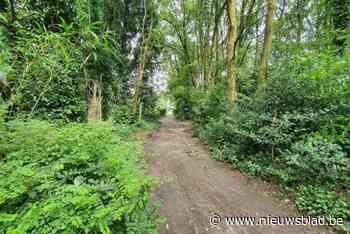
point(52, 52)
point(80, 178)
point(297, 133)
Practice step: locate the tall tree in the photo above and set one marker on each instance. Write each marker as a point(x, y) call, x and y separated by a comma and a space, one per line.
point(150, 46)
point(231, 64)
point(262, 72)
point(144, 53)
point(213, 50)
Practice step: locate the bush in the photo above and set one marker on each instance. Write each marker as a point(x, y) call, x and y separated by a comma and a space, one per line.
point(317, 201)
point(250, 133)
point(162, 112)
point(122, 114)
point(150, 110)
point(80, 178)
point(320, 160)
point(209, 105)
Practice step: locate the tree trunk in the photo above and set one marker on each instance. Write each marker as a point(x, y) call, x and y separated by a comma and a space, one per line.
point(95, 104)
point(140, 80)
point(262, 72)
point(232, 35)
point(300, 20)
point(3, 83)
point(146, 37)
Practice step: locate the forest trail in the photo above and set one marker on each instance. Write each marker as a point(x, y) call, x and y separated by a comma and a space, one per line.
point(193, 186)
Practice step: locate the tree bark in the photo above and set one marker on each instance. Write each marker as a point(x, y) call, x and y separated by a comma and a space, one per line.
point(232, 35)
point(3, 82)
point(140, 80)
point(214, 47)
point(262, 72)
point(142, 64)
point(300, 20)
point(95, 105)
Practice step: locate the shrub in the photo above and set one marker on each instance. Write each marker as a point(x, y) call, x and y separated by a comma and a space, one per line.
point(318, 159)
point(209, 105)
point(162, 112)
point(150, 110)
point(80, 178)
point(249, 132)
point(338, 131)
point(318, 201)
point(122, 114)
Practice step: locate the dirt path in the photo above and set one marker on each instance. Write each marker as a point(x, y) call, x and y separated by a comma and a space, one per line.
point(193, 187)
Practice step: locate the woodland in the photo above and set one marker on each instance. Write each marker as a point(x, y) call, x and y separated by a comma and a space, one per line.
point(265, 83)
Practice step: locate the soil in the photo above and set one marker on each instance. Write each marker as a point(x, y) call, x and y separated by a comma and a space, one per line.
point(194, 187)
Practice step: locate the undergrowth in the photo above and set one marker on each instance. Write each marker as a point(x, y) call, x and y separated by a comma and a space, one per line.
point(77, 178)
